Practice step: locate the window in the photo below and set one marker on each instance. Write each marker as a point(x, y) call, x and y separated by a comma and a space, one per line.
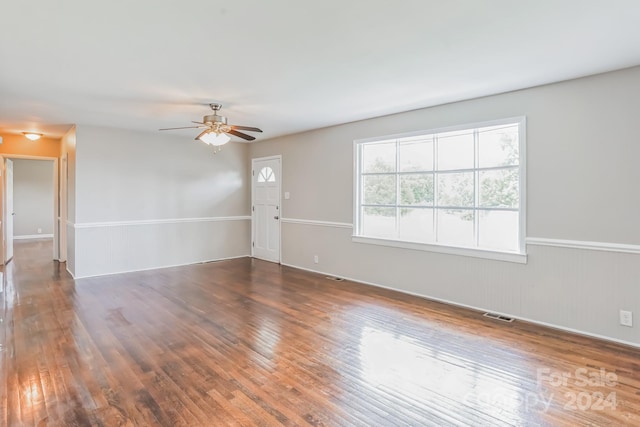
point(266, 175)
point(456, 188)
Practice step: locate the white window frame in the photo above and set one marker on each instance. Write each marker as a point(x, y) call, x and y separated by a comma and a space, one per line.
point(518, 256)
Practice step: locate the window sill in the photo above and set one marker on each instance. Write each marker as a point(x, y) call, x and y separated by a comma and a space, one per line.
point(451, 250)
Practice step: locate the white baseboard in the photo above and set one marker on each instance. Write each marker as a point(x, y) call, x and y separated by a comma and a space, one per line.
point(33, 236)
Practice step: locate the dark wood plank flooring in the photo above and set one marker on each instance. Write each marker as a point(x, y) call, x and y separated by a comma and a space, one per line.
point(246, 342)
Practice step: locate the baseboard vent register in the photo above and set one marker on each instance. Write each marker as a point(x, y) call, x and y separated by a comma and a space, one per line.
point(498, 317)
point(335, 279)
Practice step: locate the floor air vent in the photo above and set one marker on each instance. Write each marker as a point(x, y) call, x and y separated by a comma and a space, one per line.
point(498, 317)
point(335, 279)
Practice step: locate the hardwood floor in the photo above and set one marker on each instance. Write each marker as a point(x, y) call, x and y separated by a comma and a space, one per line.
point(246, 342)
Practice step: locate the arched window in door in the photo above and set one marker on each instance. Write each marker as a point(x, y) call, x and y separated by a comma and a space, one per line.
point(266, 175)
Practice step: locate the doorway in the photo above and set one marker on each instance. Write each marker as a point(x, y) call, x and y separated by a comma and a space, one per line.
point(265, 208)
point(8, 210)
point(30, 202)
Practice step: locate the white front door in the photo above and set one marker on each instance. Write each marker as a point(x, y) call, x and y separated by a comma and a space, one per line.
point(9, 210)
point(265, 215)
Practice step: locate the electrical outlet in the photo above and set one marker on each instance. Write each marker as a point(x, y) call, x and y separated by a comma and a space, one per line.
point(39, 230)
point(626, 318)
point(316, 259)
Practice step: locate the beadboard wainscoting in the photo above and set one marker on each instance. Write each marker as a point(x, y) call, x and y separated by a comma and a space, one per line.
point(578, 287)
point(124, 246)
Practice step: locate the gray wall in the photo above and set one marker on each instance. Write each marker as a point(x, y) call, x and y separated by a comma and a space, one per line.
point(582, 207)
point(32, 197)
point(149, 199)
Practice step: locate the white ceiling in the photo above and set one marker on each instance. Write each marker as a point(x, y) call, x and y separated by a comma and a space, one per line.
point(288, 65)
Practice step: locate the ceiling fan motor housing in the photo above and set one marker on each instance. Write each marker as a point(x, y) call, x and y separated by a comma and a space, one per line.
point(214, 118)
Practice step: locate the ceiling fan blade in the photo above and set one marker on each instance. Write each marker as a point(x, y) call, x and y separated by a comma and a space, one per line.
point(246, 128)
point(202, 134)
point(186, 127)
point(200, 123)
point(241, 135)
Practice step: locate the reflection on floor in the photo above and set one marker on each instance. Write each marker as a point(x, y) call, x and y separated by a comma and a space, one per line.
point(247, 342)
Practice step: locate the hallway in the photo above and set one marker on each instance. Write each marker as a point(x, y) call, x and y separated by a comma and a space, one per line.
point(25, 277)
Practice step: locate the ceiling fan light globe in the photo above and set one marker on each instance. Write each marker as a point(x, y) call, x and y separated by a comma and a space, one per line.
point(221, 140)
point(215, 139)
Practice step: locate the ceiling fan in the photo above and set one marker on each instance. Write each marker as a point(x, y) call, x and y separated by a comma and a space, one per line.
point(216, 129)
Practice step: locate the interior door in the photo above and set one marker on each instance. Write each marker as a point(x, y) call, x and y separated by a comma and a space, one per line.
point(265, 196)
point(62, 209)
point(8, 192)
point(2, 210)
